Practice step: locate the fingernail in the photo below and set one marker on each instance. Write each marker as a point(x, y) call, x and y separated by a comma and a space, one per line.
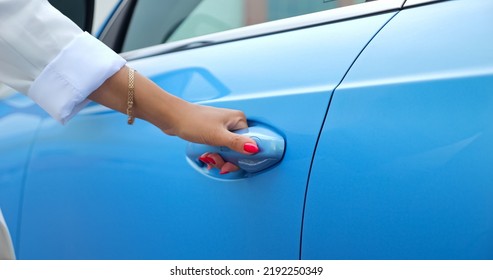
point(203, 159)
point(223, 172)
point(250, 148)
point(211, 160)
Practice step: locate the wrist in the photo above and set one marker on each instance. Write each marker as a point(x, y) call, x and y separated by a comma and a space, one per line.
point(157, 106)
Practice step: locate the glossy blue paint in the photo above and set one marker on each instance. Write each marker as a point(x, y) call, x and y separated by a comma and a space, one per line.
point(403, 166)
point(18, 125)
point(98, 188)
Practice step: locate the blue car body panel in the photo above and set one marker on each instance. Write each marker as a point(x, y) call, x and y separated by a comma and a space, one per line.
point(403, 168)
point(19, 120)
point(99, 189)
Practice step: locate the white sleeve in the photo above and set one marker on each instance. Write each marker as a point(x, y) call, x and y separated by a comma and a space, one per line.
point(48, 57)
point(6, 247)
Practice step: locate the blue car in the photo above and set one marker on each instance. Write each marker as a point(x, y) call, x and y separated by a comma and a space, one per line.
point(375, 120)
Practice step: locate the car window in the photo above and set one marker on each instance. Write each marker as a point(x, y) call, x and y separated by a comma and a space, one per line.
point(102, 9)
point(191, 18)
point(154, 20)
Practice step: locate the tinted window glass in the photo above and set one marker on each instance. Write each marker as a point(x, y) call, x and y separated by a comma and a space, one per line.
point(191, 18)
point(80, 11)
point(153, 21)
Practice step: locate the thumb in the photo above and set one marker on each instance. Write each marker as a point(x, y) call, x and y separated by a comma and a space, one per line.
point(240, 143)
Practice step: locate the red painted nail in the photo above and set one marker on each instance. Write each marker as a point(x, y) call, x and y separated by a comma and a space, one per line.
point(250, 148)
point(203, 159)
point(211, 160)
point(223, 172)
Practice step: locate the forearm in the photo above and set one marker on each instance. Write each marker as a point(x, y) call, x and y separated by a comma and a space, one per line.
point(151, 103)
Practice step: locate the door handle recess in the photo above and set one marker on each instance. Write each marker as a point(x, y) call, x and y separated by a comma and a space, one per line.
point(271, 151)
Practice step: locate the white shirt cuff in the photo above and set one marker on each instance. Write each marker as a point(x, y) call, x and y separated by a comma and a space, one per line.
point(78, 70)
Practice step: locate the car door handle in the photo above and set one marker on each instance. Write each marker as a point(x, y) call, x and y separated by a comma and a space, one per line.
point(271, 151)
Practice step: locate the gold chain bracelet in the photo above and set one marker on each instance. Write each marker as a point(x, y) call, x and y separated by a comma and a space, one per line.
point(131, 92)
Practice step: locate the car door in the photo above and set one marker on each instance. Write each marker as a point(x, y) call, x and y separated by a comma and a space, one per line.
point(403, 165)
point(19, 120)
point(99, 189)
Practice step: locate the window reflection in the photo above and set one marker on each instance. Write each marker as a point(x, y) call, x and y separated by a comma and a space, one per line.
point(159, 21)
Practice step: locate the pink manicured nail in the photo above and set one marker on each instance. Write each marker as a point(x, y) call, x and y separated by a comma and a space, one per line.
point(250, 148)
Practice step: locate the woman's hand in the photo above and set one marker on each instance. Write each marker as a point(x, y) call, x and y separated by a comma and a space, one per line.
point(211, 126)
point(175, 116)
